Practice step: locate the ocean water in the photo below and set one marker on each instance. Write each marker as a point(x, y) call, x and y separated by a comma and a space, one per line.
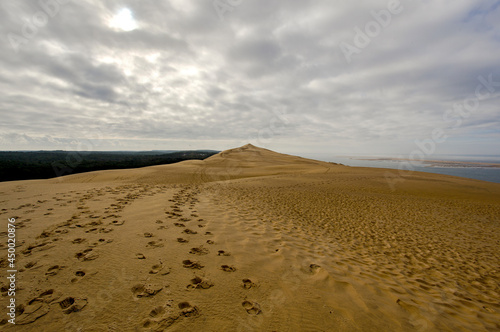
point(489, 174)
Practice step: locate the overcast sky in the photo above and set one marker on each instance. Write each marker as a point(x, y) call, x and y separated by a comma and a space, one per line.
point(297, 76)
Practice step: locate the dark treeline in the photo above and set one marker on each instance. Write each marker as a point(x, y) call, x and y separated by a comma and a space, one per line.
point(50, 164)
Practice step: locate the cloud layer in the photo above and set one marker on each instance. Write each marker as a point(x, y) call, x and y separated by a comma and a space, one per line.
point(129, 75)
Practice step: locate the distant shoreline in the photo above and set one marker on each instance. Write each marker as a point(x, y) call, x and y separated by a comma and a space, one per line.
point(434, 163)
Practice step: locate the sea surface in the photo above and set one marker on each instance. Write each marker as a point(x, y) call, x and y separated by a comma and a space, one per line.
point(479, 173)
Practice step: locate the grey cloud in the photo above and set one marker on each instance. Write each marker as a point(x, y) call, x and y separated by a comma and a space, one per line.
point(186, 77)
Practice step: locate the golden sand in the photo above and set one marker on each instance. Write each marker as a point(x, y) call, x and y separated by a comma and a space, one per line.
point(253, 240)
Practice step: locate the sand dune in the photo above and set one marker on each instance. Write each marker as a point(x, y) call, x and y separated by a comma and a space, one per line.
point(253, 240)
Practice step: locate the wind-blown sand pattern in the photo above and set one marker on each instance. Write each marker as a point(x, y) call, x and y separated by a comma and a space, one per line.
point(253, 240)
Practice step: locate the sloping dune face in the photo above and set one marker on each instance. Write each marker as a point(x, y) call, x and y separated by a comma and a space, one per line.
point(253, 240)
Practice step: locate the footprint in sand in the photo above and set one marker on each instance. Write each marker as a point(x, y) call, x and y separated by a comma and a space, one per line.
point(191, 264)
point(146, 290)
point(157, 268)
point(200, 283)
point(38, 246)
point(35, 308)
point(4, 289)
point(80, 274)
point(71, 304)
point(181, 240)
point(87, 255)
point(53, 270)
point(102, 241)
point(154, 244)
point(179, 224)
point(247, 284)
point(208, 233)
point(199, 251)
point(252, 308)
point(210, 242)
point(158, 311)
point(312, 269)
point(147, 234)
point(160, 319)
point(223, 253)
point(99, 230)
point(117, 222)
point(112, 216)
point(93, 223)
point(78, 240)
point(228, 268)
point(187, 310)
point(140, 256)
point(188, 231)
point(44, 234)
point(29, 265)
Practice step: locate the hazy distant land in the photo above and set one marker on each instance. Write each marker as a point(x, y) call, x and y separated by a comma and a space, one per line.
point(437, 163)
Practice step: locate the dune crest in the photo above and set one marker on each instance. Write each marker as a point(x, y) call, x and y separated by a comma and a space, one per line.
point(254, 240)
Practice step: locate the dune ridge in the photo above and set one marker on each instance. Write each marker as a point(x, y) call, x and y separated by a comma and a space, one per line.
point(254, 240)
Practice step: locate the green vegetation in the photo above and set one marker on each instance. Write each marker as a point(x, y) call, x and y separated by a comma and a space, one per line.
point(49, 164)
